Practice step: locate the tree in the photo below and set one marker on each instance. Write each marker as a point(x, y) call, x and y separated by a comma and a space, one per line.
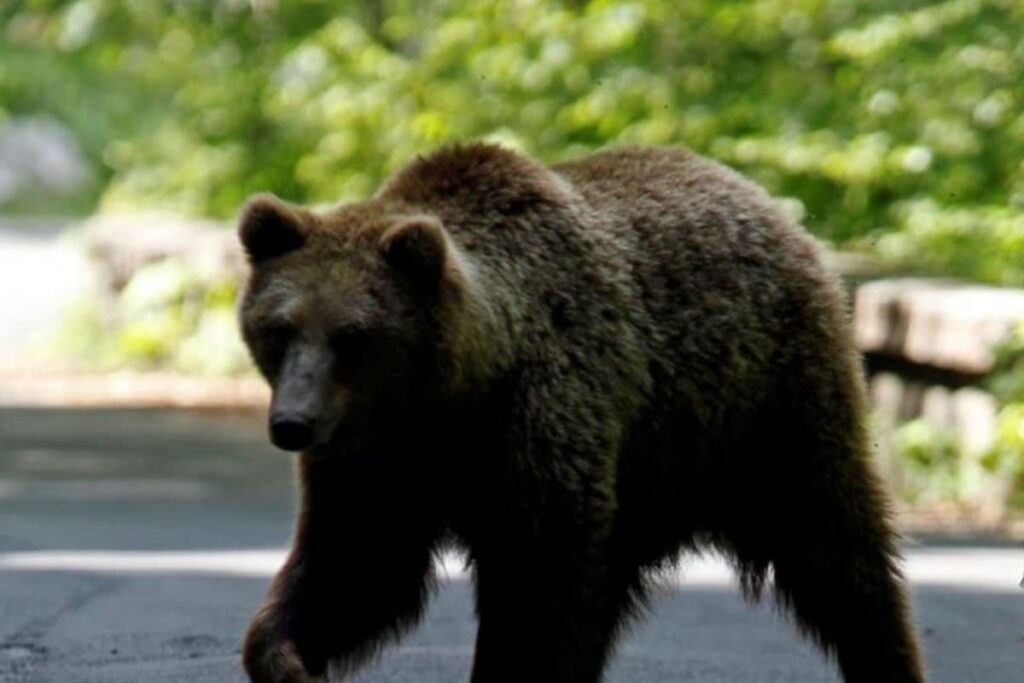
point(893, 126)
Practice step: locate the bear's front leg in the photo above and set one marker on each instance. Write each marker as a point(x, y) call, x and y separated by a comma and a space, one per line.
point(358, 574)
point(543, 623)
point(550, 592)
point(271, 652)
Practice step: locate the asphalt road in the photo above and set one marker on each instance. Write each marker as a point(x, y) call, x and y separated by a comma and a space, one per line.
point(134, 546)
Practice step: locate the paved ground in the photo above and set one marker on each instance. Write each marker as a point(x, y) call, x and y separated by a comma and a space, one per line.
point(133, 547)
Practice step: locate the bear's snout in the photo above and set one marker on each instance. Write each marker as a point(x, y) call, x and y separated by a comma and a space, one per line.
point(291, 431)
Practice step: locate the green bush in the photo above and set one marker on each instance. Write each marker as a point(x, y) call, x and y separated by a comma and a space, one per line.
point(897, 124)
point(1006, 458)
point(1007, 384)
point(930, 463)
point(169, 316)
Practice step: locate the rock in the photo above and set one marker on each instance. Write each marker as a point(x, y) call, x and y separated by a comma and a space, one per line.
point(940, 323)
point(123, 244)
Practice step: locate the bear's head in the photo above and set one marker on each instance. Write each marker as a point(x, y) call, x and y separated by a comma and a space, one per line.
point(347, 314)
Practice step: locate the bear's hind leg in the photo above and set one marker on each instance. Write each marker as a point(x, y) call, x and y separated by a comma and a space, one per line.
point(843, 585)
point(828, 537)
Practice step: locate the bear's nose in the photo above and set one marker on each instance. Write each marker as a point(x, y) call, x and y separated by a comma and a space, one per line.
point(291, 432)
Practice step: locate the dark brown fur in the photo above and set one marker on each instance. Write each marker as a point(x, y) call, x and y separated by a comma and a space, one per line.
point(584, 371)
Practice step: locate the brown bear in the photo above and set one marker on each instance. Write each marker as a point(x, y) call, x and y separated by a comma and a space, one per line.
point(574, 373)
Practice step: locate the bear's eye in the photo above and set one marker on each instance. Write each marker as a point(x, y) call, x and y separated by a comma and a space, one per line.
point(274, 339)
point(350, 345)
point(278, 333)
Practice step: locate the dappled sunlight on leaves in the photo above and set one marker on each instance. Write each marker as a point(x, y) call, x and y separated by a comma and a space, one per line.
point(860, 110)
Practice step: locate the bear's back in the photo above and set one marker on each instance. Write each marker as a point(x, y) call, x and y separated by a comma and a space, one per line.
point(719, 272)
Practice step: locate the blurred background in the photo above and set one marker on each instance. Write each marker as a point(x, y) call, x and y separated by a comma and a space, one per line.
point(131, 132)
point(894, 130)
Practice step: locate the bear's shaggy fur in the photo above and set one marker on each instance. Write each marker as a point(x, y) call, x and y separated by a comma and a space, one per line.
point(574, 373)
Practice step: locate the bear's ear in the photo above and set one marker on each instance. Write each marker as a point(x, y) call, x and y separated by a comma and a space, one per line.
point(269, 228)
point(418, 247)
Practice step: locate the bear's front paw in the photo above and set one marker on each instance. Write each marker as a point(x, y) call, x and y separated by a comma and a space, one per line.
point(274, 659)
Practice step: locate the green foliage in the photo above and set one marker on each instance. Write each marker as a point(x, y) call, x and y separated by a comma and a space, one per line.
point(1007, 384)
point(891, 126)
point(897, 123)
point(170, 315)
point(1006, 458)
point(984, 243)
point(930, 462)
point(1006, 381)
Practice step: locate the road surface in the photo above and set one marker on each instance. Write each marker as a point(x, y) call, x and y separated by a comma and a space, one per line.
point(134, 546)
